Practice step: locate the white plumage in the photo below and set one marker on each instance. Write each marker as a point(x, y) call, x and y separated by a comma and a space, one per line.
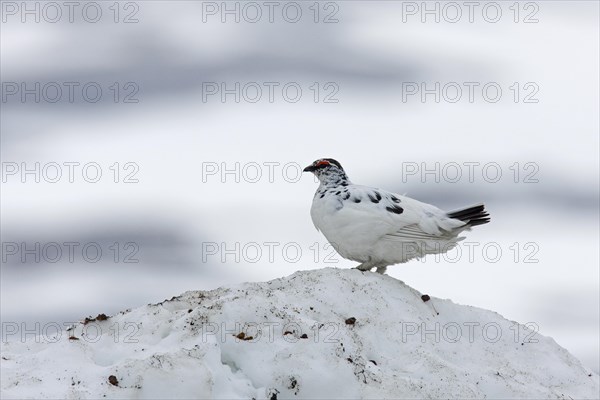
point(378, 228)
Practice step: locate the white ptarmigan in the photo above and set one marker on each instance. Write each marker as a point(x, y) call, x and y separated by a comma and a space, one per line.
point(379, 228)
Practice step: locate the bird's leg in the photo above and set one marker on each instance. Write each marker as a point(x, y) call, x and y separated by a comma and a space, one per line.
point(381, 270)
point(366, 266)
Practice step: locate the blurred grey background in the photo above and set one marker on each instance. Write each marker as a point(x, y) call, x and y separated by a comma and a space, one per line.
point(175, 134)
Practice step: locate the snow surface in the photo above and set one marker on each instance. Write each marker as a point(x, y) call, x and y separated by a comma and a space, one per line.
point(367, 336)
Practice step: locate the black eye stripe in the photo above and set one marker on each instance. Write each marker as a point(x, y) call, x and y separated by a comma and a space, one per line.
point(330, 160)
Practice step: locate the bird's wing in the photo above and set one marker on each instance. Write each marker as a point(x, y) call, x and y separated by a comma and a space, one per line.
point(401, 217)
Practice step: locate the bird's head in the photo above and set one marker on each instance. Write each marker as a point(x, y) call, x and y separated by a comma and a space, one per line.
point(326, 167)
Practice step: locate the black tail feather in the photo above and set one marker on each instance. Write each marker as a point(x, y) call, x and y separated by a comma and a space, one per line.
point(475, 215)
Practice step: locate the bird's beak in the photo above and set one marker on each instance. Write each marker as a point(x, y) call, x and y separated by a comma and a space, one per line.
point(310, 168)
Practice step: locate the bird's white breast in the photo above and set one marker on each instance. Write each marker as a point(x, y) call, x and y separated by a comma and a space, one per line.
point(352, 229)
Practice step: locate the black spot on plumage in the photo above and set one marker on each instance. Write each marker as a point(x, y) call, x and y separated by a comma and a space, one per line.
point(322, 195)
point(357, 200)
point(395, 199)
point(374, 199)
point(338, 192)
point(344, 184)
point(395, 209)
point(346, 196)
point(378, 195)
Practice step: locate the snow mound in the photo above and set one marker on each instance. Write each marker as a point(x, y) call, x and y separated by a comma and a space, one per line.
point(326, 333)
